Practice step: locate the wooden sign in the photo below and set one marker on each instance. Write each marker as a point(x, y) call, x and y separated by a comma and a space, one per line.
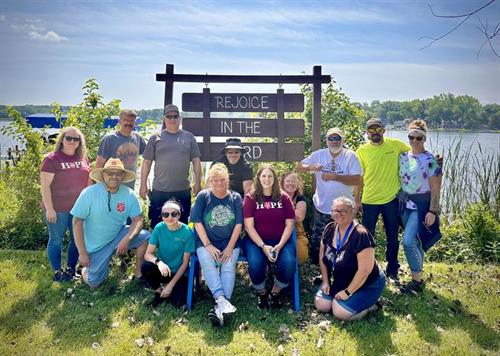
point(242, 102)
point(230, 127)
point(292, 152)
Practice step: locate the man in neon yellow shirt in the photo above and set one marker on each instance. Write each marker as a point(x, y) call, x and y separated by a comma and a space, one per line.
point(379, 160)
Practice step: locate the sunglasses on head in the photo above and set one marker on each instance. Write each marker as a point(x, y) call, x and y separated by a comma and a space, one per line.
point(334, 138)
point(375, 130)
point(71, 138)
point(172, 117)
point(167, 214)
point(418, 138)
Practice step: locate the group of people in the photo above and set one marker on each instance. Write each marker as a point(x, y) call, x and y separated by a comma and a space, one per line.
point(239, 213)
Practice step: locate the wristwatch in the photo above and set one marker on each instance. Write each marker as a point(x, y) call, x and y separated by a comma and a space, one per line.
point(346, 291)
point(157, 261)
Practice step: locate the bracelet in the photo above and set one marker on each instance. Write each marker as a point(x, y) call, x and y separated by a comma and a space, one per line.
point(209, 243)
point(262, 245)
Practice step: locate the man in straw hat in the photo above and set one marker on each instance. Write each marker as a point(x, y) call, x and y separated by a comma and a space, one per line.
point(99, 217)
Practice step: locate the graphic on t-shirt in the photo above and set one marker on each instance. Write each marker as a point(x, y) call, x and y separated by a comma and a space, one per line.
point(332, 167)
point(128, 153)
point(221, 215)
point(120, 207)
point(69, 165)
point(269, 205)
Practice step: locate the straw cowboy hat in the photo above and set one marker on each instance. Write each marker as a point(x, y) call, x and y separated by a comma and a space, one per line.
point(114, 164)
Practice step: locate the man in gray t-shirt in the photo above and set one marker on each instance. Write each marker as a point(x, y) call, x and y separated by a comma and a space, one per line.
point(124, 144)
point(172, 150)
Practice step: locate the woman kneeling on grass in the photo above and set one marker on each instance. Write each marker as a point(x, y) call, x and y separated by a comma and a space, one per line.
point(165, 271)
point(218, 218)
point(269, 222)
point(347, 253)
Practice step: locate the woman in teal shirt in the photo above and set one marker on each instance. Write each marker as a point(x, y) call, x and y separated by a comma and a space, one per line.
point(165, 271)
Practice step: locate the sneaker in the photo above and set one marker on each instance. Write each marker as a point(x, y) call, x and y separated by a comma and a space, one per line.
point(263, 301)
point(157, 300)
point(61, 276)
point(392, 276)
point(413, 287)
point(74, 273)
point(216, 317)
point(276, 301)
point(225, 306)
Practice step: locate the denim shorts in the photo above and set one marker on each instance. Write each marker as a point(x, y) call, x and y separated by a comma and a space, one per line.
point(99, 260)
point(361, 299)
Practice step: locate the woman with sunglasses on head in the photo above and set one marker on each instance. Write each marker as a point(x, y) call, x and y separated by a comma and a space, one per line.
point(347, 256)
point(269, 221)
point(63, 175)
point(165, 271)
point(218, 218)
point(420, 177)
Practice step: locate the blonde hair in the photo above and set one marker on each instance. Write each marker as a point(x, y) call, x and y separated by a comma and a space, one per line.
point(81, 150)
point(418, 124)
point(300, 184)
point(218, 170)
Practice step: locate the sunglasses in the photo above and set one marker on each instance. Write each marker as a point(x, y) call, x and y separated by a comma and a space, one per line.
point(334, 138)
point(71, 138)
point(418, 138)
point(167, 214)
point(233, 152)
point(375, 130)
point(113, 173)
point(172, 117)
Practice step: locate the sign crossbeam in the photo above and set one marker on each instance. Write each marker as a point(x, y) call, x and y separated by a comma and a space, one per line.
point(249, 79)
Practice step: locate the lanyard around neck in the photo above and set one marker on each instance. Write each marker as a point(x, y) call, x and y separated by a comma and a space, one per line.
point(340, 244)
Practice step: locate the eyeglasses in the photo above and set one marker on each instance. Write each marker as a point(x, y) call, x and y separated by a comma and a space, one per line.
point(418, 138)
point(166, 214)
point(71, 138)
point(114, 173)
point(340, 212)
point(334, 138)
point(375, 130)
point(172, 117)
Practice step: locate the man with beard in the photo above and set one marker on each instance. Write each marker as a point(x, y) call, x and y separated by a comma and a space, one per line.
point(336, 171)
point(379, 186)
point(99, 217)
point(125, 144)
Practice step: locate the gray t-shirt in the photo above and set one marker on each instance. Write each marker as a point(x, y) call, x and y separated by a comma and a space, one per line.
point(172, 154)
point(126, 148)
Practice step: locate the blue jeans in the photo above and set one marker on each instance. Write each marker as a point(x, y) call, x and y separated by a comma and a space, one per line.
point(390, 215)
point(257, 263)
point(219, 281)
point(320, 221)
point(411, 243)
point(57, 231)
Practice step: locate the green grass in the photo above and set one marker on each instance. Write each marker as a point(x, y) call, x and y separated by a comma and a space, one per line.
point(459, 313)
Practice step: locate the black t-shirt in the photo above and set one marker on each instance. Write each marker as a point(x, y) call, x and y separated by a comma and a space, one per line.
point(239, 172)
point(298, 198)
point(346, 261)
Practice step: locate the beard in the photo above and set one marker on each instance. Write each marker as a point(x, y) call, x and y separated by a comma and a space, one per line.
point(335, 150)
point(376, 138)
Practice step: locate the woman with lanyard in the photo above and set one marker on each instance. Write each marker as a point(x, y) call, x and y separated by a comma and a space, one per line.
point(347, 254)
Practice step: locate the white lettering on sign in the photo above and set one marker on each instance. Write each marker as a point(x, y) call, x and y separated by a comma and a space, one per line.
point(244, 102)
point(226, 127)
point(249, 127)
point(252, 153)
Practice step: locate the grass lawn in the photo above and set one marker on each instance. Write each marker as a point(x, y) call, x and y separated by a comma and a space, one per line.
point(459, 313)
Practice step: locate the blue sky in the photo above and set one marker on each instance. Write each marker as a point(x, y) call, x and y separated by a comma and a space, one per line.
point(371, 48)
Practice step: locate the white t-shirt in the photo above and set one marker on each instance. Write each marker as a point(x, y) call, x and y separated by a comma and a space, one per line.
point(345, 164)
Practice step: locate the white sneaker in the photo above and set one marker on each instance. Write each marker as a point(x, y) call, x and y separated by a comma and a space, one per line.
point(225, 306)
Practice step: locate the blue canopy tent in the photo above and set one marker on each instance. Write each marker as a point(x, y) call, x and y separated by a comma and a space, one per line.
point(40, 121)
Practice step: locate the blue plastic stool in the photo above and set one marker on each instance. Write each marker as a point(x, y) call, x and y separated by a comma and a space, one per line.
point(194, 276)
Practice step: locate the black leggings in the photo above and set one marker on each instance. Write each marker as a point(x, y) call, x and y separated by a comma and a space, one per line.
point(153, 276)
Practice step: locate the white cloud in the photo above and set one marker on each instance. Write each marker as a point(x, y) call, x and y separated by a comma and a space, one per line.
point(49, 36)
point(2, 18)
